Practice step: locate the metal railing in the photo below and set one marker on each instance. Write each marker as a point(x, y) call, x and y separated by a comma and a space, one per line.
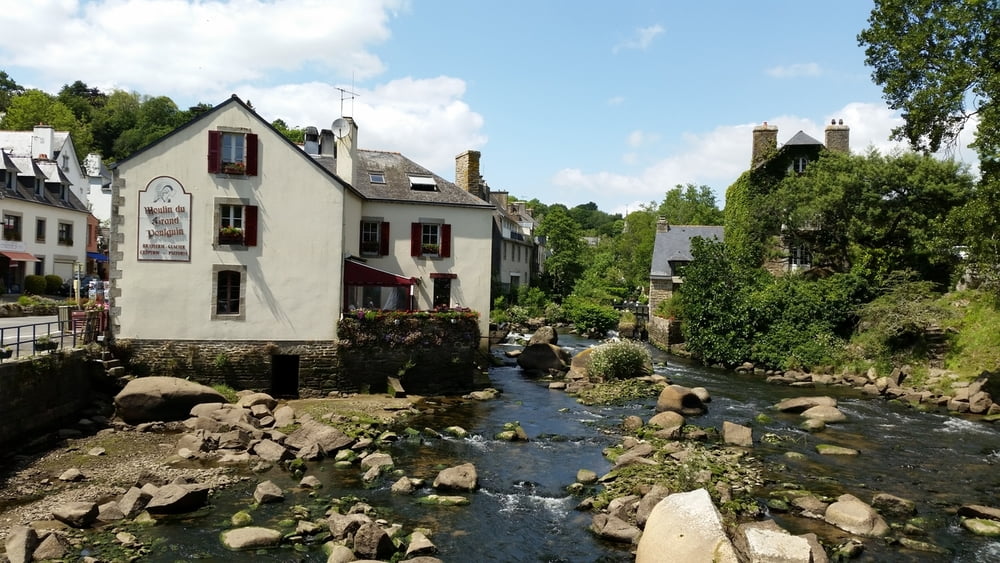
point(23, 340)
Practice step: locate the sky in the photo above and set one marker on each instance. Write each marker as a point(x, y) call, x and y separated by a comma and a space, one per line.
point(569, 101)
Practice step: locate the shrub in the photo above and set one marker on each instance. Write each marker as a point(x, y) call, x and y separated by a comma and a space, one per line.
point(554, 313)
point(591, 317)
point(517, 314)
point(34, 285)
point(53, 284)
point(620, 360)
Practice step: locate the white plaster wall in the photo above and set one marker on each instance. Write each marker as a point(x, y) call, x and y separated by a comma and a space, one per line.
point(293, 289)
point(30, 213)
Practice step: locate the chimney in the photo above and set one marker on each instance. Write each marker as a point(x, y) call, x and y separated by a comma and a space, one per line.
point(838, 136)
point(42, 139)
point(347, 153)
point(501, 199)
point(467, 173)
point(661, 225)
point(310, 142)
point(765, 143)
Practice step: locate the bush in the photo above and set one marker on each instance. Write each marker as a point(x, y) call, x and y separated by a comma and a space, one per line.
point(53, 284)
point(34, 285)
point(620, 360)
point(591, 317)
point(517, 314)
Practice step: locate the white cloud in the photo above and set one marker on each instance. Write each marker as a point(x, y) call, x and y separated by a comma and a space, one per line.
point(638, 138)
point(643, 38)
point(616, 100)
point(794, 70)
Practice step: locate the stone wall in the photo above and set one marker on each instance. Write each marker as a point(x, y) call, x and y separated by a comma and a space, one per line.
point(41, 393)
point(659, 290)
point(664, 332)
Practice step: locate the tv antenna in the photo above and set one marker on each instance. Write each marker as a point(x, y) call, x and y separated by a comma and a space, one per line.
point(340, 127)
point(344, 94)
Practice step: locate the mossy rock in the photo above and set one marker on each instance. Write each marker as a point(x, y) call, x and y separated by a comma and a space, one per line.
point(829, 449)
point(443, 500)
point(982, 526)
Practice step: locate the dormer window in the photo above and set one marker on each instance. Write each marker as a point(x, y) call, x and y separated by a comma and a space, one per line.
point(62, 192)
point(376, 177)
point(423, 183)
point(799, 164)
point(8, 179)
point(39, 187)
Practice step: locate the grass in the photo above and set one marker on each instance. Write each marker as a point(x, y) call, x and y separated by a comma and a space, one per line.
point(976, 345)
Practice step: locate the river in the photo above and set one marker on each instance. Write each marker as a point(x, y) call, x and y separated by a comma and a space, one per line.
point(522, 511)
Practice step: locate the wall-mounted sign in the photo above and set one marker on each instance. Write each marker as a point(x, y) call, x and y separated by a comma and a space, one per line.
point(164, 221)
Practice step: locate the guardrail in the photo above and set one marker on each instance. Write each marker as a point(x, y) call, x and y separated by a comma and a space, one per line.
point(23, 340)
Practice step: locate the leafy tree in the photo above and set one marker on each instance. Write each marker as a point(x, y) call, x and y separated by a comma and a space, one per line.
point(690, 205)
point(563, 239)
point(156, 117)
point(81, 99)
point(34, 107)
point(295, 135)
point(119, 113)
point(8, 90)
point(874, 214)
point(633, 248)
point(938, 62)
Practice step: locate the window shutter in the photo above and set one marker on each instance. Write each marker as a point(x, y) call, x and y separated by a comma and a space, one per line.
point(445, 241)
point(214, 151)
point(250, 227)
point(252, 154)
point(383, 239)
point(414, 239)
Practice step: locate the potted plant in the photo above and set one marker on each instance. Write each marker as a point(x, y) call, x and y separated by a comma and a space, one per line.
point(6, 353)
point(429, 249)
point(45, 343)
point(234, 168)
point(230, 235)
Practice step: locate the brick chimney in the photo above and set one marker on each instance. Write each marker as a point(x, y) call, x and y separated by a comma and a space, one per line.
point(467, 174)
point(838, 136)
point(765, 143)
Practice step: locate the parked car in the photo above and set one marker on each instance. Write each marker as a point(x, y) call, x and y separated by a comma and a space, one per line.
point(85, 282)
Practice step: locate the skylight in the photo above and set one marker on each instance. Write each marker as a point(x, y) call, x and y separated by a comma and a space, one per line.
point(376, 177)
point(426, 183)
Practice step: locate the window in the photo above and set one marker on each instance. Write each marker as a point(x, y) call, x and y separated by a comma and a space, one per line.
point(423, 183)
point(431, 239)
point(237, 222)
point(376, 177)
point(442, 292)
point(8, 178)
point(65, 234)
point(39, 230)
point(232, 152)
point(11, 227)
point(799, 164)
point(799, 257)
point(230, 292)
point(374, 237)
point(62, 192)
point(39, 187)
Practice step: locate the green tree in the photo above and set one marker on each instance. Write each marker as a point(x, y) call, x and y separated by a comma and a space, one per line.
point(81, 99)
point(938, 63)
point(690, 205)
point(8, 90)
point(34, 107)
point(156, 117)
point(119, 113)
point(295, 135)
point(564, 241)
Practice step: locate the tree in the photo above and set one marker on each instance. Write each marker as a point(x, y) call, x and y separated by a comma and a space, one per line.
point(119, 113)
point(563, 239)
point(690, 205)
point(295, 135)
point(156, 117)
point(82, 100)
point(8, 90)
point(938, 62)
point(873, 214)
point(34, 107)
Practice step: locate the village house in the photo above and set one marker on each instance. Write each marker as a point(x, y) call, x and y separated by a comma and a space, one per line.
point(671, 253)
point(47, 227)
point(228, 239)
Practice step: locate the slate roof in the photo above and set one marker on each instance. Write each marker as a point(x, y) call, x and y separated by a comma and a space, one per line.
point(31, 168)
point(800, 139)
point(675, 245)
point(396, 169)
point(18, 143)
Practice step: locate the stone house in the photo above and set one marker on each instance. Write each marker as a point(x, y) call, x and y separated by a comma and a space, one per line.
point(229, 240)
point(671, 252)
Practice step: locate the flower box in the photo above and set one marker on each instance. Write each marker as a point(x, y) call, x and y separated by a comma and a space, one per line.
point(429, 249)
point(44, 344)
point(234, 168)
point(230, 235)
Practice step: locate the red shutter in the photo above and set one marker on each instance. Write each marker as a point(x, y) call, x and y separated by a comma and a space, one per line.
point(414, 239)
point(250, 225)
point(214, 151)
point(252, 149)
point(383, 239)
point(445, 241)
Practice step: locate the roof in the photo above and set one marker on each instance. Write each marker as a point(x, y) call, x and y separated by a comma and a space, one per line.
point(18, 143)
point(396, 169)
point(32, 168)
point(800, 139)
point(674, 245)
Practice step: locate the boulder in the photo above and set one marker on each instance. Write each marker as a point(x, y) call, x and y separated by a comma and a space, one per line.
point(269, 450)
point(979, 511)
point(702, 393)
point(372, 542)
point(250, 537)
point(462, 477)
point(737, 434)
point(801, 404)
point(257, 399)
point(53, 547)
point(830, 449)
point(284, 416)
point(21, 543)
point(340, 554)
point(404, 486)
point(579, 365)
point(76, 514)
point(377, 460)
point(544, 335)
point(825, 413)
point(648, 502)
point(614, 529)
point(853, 515)
point(689, 528)
point(345, 525)
point(766, 542)
point(328, 438)
point(419, 545)
point(110, 512)
point(133, 502)
point(177, 499)
point(267, 492)
point(981, 526)
point(675, 398)
point(541, 358)
point(893, 505)
point(160, 398)
point(443, 500)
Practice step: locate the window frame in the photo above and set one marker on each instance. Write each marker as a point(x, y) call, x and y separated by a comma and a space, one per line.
point(422, 237)
point(12, 223)
point(233, 164)
point(64, 233)
point(226, 273)
point(40, 228)
point(373, 228)
point(248, 235)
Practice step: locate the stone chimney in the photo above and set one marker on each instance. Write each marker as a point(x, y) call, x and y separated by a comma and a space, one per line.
point(838, 136)
point(661, 225)
point(347, 153)
point(765, 143)
point(467, 173)
point(501, 199)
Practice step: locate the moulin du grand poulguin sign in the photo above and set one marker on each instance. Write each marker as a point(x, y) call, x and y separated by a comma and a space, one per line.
point(164, 221)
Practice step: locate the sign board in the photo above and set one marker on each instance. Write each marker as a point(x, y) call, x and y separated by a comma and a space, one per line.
point(164, 222)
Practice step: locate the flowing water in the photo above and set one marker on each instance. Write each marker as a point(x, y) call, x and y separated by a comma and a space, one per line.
point(522, 511)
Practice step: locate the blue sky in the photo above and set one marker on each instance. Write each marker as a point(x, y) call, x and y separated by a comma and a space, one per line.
point(569, 101)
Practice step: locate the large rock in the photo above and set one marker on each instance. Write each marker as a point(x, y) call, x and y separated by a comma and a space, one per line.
point(801, 404)
point(76, 514)
point(688, 527)
point(177, 499)
point(372, 542)
point(133, 502)
point(148, 399)
point(21, 543)
point(675, 398)
point(614, 529)
point(462, 477)
point(268, 492)
point(328, 438)
point(766, 542)
point(825, 413)
point(544, 335)
point(250, 537)
point(853, 515)
point(541, 358)
point(737, 434)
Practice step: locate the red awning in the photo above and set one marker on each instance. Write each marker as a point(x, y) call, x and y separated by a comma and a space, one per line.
point(20, 256)
point(356, 273)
